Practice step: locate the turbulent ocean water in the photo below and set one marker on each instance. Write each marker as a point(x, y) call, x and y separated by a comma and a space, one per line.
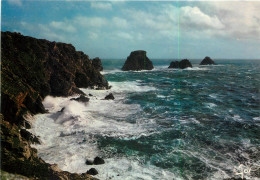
point(198, 123)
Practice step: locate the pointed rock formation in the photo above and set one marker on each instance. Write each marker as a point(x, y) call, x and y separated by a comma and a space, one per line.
point(207, 61)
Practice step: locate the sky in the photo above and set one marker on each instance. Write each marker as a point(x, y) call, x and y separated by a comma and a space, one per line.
point(165, 29)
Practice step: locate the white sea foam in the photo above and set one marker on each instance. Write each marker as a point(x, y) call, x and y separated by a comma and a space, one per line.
point(214, 96)
point(256, 118)
point(210, 105)
point(123, 168)
point(111, 71)
point(69, 136)
point(196, 69)
point(130, 86)
point(161, 96)
point(236, 117)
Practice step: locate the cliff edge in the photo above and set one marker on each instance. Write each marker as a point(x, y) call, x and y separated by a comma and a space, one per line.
point(32, 69)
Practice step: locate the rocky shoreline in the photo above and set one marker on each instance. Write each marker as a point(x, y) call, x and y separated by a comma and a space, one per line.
point(32, 69)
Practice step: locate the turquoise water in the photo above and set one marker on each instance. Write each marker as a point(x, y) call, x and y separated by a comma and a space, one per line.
point(198, 123)
point(206, 118)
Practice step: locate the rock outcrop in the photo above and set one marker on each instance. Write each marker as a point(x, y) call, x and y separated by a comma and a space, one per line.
point(174, 64)
point(137, 61)
point(207, 61)
point(32, 69)
point(92, 171)
point(81, 98)
point(110, 96)
point(185, 63)
point(97, 64)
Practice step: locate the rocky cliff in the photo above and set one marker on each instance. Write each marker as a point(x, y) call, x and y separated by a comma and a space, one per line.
point(137, 61)
point(32, 69)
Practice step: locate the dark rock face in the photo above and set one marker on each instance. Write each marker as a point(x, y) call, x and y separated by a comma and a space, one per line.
point(110, 96)
point(29, 136)
point(137, 61)
point(174, 64)
point(82, 98)
point(32, 69)
point(207, 61)
point(96, 62)
point(89, 162)
point(92, 171)
point(98, 161)
point(185, 63)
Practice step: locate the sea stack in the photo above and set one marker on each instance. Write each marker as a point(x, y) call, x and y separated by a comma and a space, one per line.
point(185, 63)
point(137, 61)
point(207, 61)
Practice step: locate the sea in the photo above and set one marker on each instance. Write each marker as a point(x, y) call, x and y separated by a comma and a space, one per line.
point(198, 123)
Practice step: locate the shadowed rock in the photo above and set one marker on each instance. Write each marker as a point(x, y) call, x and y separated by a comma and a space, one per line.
point(185, 63)
point(92, 171)
point(174, 64)
point(89, 162)
point(110, 96)
point(80, 99)
point(29, 136)
point(98, 161)
point(207, 61)
point(96, 62)
point(137, 61)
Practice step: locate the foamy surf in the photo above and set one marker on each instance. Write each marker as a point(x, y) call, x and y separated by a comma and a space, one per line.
point(158, 120)
point(70, 130)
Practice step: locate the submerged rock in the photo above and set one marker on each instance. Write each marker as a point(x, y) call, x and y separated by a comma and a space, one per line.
point(110, 96)
point(98, 161)
point(92, 171)
point(207, 61)
point(185, 63)
point(80, 99)
point(137, 61)
point(96, 62)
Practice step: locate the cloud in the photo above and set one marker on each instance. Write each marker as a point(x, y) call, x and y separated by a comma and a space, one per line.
point(49, 34)
point(101, 5)
point(124, 35)
point(44, 31)
point(15, 2)
point(194, 18)
point(238, 24)
point(92, 35)
point(64, 26)
point(119, 22)
point(90, 21)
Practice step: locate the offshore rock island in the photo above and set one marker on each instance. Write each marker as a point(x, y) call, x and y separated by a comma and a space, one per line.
point(32, 69)
point(185, 63)
point(207, 61)
point(137, 61)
